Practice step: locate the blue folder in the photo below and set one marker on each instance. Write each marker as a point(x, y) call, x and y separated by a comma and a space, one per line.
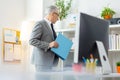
point(64, 46)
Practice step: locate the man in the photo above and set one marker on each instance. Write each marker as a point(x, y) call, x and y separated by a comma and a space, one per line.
point(42, 38)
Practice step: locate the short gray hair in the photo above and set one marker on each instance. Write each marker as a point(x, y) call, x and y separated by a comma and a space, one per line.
point(50, 9)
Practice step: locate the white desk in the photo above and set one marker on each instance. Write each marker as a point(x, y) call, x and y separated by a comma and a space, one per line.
point(65, 75)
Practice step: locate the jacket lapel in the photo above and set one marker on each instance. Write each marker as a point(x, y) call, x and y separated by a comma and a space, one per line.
point(48, 28)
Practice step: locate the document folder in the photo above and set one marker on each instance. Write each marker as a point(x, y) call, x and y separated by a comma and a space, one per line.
point(64, 46)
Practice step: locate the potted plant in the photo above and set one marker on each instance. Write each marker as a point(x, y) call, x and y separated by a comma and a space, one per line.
point(107, 13)
point(118, 67)
point(64, 8)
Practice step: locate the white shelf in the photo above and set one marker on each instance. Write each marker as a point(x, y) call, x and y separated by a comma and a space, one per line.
point(114, 50)
point(65, 30)
point(115, 26)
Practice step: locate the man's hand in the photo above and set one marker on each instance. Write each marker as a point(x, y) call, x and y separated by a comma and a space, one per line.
point(53, 44)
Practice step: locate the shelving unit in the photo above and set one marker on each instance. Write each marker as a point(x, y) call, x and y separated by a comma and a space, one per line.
point(114, 52)
point(65, 30)
point(114, 37)
point(69, 33)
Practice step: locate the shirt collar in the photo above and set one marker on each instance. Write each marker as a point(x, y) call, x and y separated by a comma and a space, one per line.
point(47, 21)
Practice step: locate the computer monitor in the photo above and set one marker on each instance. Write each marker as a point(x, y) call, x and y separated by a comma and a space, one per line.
point(91, 29)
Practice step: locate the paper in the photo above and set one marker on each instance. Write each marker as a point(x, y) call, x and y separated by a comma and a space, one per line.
point(10, 36)
point(17, 52)
point(64, 46)
point(8, 52)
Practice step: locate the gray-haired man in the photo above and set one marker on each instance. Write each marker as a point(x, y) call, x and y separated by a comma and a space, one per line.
point(42, 38)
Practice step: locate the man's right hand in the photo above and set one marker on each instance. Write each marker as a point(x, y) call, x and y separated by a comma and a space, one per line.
point(53, 44)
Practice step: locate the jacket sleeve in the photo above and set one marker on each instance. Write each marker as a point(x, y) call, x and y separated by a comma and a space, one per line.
point(35, 38)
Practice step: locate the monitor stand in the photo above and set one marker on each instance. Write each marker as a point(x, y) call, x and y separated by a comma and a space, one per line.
point(106, 68)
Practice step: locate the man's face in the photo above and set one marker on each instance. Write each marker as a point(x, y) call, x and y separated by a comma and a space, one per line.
point(55, 17)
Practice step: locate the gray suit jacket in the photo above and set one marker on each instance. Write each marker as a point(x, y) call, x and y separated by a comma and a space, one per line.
point(40, 38)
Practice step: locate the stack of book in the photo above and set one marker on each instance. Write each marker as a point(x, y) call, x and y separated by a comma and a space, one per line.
point(114, 41)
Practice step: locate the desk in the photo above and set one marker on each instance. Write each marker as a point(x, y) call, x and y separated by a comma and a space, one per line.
point(61, 75)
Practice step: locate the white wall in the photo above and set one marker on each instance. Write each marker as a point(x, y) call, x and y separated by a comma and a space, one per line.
point(34, 9)
point(12, 13)
point(47, 3)
point(95, 7)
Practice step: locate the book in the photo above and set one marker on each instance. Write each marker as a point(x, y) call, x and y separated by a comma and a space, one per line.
point(64, 48)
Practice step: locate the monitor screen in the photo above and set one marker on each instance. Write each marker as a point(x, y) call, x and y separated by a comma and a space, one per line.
point(91, 29)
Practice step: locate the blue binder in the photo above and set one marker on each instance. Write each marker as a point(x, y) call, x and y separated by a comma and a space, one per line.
point(64, 46)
